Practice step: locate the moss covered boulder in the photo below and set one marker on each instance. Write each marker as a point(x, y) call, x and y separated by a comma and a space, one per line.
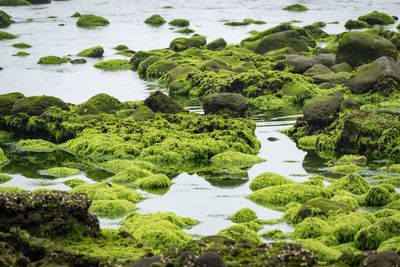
point(100, 103)
point(241, 233)
point(160, 102)
point(235, 105)
point(300, 63)
point(159, 68)
point(91, 21)
point(114, 65)
point(267, 179)
point(358, 48)
point(353, 183)
point(296, 8)
point(7, 102)
point(355, 24)
point(53, 60)
point(151, 182)
point(311, 228)
point(155, 20)
point(181, 44)
point(112, 209)
point(5, 19)
point(322, 110)
point(378, 196)
point(322, 207)
point(217, 44)
point(35, 145)
point(62, 172)
point(382, 75)
point(7, 36)
point(233, 157)
point(377, 18)
point(3, 159)
point(37, 105)
point(179, 23)
point(14, 3)
point(243, 215)
point(279, 40)
point(94, 52)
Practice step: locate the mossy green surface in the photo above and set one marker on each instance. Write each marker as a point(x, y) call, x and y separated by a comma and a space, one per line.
point(10, 189)
point(179, 23)
point(3, 158)
point(111, 209)
point(21, 54)
point(345, 168)
point(241, 233)
point(355, 24)
point(311, 228)
point(108, 191)
point(155, 20)
point(62, 172)
point(94, 52)
point(243, 215)
point(14, 3)
point(132, 174)
point(89, 21)
point(322, 253)
point(233, 157)
point(118, 165)
point(377, 18)
point(267, 179)
point(114, 65)
point(21, 45)
point(353, 183)
point(392, 244)
point(4, 177)
point(100, 103)
point(345, 227)
point(156, 181)
point(74, 182)
point(296, 7)
point(276, 235)
point(378, 196)
point(6, 36)
point(35, 145)
point(53, 60)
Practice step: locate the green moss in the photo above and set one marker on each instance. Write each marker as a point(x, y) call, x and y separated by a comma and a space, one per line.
point(352, 159)
point(233, 157)
point(241, 233)
point(377, 18)
point(276, 234)
point(76, 15)
point(355, 24)
point(3, 159)
point(179, 23)
point(74, 182)
point(353, 183)
point(4, 177)
point(345, 168)
point(35, 145)
point(155, 20)
point(181, 44)
point(21, 45)
point(53, 60)
point(112, 209)
point(160, 68)
point(311, 228)
point(345, 228)
point(267, 179)
point(114, 65)
point(100, 103)
point(281, 195)
point(12, 190)
point(121, 47)
point(395, 205)
point(62, 172)
point(347, 199)
point(94, 52)
point(118, 165)
point(308, 142)
point(158, 230)
point(91, 21)
point(322, 253)
point(243, 215)
point(245, 22)
point(21, 54)
point(321, 207)
point(185, 31)
point(107, 191)
point(131, 175)
point(6, 36)
point(383, 213)
point(395, 168)
point(296, 7)
point(378, 196)
point(392, 244)
point(156, 181)
point(370, 237)
point(14, 3)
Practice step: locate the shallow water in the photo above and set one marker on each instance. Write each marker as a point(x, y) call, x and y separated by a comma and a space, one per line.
point(76, 83)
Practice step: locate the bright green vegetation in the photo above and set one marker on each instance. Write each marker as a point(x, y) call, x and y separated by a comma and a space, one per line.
point(100, 103)
point(3, 159)
point(118, 165)
point(62, 172)
point(345, 168)
point(355, 24)
point(243, 215)
point(21, 54)
point(311, 228)
point(114, 65)
point(14, 3)
point(5, 19)
point(35, 145)
point(157, 181)
point(233, 157)
point(378, 196)
point(112, 209)
point(6, 36)
point(179, 23)
point(53, 60)
point(185, 31)
point(392, 244)
point(276, 234)
point(21, 45)
point(4, 178)
point(155, 20)
point(377, 18)
point(353, 183)
point(158, 230)
point(267, 179)
point(12, 190)
point(345, 227)
point(296, 7)
point(321, 252)
point(245, 22)
point(74, 182)
point(121, 47)
point(95, 52)
point(132, 174)
point(89, 21)
point(241, 233)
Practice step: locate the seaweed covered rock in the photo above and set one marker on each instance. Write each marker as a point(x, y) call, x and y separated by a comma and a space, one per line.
point(353, 183)
point(279, 40)
point(234, 157)
point(91, 21)
point(160, 102)
point(321, 111)
point(14, 3)
point(5, 19)
point(382, 75)
point(345, 227)
point(7, 102)
point(241, 233)
point(37, 105)
point(311, 228)
point(35, 145)
point(48, 214)
point(3, 159)
point(100, 103)
point(112, 209)
point(392, 244)
point(181, 44)
point(358, 48)
point(179, 23)
point(217, 44)
point(378, 196)
point(267, 179)
point(156, 181)
point(53, 60)
point(235, 105)
point(155, 20)
point(377, 18)
point(7, 36)
point(62, 172)
point(296, 8)
point(159, 68)
point(95, 52)
point(322, 207)
point(113, 65)
point(300, 63)
point(243, 215)
point(315, 31)
point(355, 24)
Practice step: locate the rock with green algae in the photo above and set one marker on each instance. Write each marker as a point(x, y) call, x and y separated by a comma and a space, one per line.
point(321, 207)
point(21, 45)
point(311, 228)
point(241, 233)
point(6, 36)
point(48, 214)
point(94, 52)
point(308, 142)
point(114, 65)
point(179, 23)
point(37, 105)
point(353, 183)
point(160, 68)
point(14, 3)
point(107, 191)
point(392, 244)
point(130, 175)
point(11, 190)
point(347, 198)
point(378, 196)
point(35, 145)
point(160, 102)
point(74, 182)
point(233, 157)
point(352, 159)
point(322, 253)
point(5, 19)
point(155, 20)
point(281, 195)
point(4, 177)
point(217, 44)
point(235, 105)
point(267, 179)
point(276, 234)
point(372, 236)
point(156, 181)
point(345, 168)
point(118, 165)
point(181, 44)
point(345, 227)
point(112, 209)
point(322, 110)
point(296, 7)
point(158, 230)
point(395, 205)
point(100, 103)
point(243, 215)
point(21, 54)
point(7, 102)
point(53, 60)
point(355, 24)
point(3, 158)
point(61, 172)
point(377, 18)
point(89, 21)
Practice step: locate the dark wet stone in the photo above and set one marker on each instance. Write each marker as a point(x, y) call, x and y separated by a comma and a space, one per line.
point(235, 105)
point(160, 102)
point(210, 259)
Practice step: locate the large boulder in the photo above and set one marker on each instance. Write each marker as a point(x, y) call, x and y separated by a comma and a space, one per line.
point(181, 44)
point(300, 63)
point(381, 75)
point(37, 105)
point(358, 48)
point(5, 19)
point(327, 59)
point(100, 103)
point(160, 102)
point(279, 40)
point(235, 105)
point(321, 111)
point(7, 102)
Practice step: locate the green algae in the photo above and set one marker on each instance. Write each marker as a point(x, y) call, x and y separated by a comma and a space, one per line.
point(377, 18)
point(108, 191)
point(94, 52)
point(132, 174)
point(185, 31)
point(233, 157)
point(281, 195)
point(243, 215)
point(53, 60)
point(21, 54)
point(114, 65)
point(89, 21)
point(100, 103)
point(353, 183)
point(62, 172)
point(345, 227)
point(240, 232)
point(296, 7)
point(355, 24)
point(378, 196)
point(345, 168)
point(112, 209)
point(21, 45)
point(156, 181)
point(352, 159)
point(179, 23)
point(311, 228)
point(35, 145)
point(4, 178)
point(155, 20)
point(14, 3)
point(10, 189)
point(74, 182)
point(118, 165)
point(347, 199)
point(322, 252)
point(3, 158)
point(392, 244)
point(276, 234)
point(267, 179)
point(7, 36)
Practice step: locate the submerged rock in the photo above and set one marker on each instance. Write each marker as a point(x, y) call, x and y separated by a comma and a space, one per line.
point(94, 52)
point(160, 102)
point(235, 105)
point(155, 20)
point(7, 102)
point(91, 21)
